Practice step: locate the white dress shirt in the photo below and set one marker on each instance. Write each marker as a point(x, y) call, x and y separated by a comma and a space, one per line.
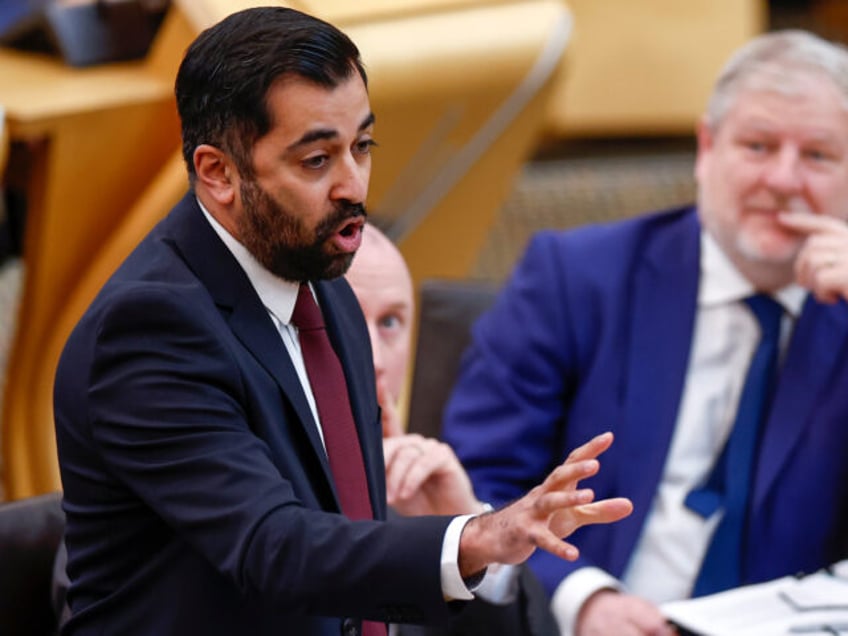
point(279, 297)
point(674, 540)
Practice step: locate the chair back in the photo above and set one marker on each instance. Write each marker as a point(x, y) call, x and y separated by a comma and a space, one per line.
point(30, 532)
point(448, 309)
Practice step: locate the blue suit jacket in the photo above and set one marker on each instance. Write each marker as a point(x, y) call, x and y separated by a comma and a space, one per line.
point(198, 495)
point(593, 333)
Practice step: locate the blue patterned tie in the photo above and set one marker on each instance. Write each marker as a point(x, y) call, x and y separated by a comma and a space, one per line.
point(729, 483)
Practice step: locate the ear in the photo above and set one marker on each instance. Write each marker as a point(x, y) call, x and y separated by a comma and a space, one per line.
point(705, 139)
point(216, 173)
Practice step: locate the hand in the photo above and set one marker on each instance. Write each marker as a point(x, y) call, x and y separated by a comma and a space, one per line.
point(822, 263)
point(389, 415)
point(424, 477)
point(543, 517)
point(608, 613)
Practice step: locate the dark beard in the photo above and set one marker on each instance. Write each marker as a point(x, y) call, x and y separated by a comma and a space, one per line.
point(279, 241)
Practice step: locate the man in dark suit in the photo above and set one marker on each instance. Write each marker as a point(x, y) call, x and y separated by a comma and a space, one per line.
point(216, 417)
point(643, 327)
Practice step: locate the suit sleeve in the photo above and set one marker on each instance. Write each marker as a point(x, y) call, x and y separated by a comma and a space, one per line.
point(167, 403)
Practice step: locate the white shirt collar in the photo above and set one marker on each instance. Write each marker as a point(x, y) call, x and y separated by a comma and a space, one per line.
point(277, 294)
point(722, 283)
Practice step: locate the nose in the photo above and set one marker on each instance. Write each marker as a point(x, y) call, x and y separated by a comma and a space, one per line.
point(351, 180)
point(783, 174)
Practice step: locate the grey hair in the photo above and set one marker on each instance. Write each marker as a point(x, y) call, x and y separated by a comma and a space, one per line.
point(775, 61)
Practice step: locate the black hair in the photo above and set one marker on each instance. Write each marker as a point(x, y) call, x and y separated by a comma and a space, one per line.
point(223, 81)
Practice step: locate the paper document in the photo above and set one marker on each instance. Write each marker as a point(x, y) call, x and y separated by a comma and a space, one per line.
point(814, 604)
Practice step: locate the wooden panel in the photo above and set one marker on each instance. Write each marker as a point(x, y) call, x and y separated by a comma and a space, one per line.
point(99, 135)
point(646, 67)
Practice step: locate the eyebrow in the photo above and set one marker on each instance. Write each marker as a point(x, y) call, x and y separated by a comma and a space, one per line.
point(328, 133)
point(399, 305)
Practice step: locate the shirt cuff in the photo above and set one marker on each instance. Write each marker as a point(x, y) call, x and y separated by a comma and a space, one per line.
point(453, 586)
point(500, 585)
point(574, 591)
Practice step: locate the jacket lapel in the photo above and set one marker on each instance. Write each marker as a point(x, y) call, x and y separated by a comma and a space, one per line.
point(661, 315)
point(231, 290)
point(253, 327)
point(814, 350)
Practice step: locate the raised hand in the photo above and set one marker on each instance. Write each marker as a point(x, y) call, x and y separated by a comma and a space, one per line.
point(544, 516)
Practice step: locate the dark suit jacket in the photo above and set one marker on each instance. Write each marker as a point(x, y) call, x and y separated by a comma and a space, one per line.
point(593, 333)
point(197, 492)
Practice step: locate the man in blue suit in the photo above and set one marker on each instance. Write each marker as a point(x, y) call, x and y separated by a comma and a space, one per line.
point(216, 415)
point(642, 327)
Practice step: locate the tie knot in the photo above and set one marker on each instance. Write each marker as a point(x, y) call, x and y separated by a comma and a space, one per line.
point(768, 313)
point(306, 314)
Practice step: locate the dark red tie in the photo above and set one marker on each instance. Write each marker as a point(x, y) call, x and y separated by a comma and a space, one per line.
point(341, 440)
point(330, 390)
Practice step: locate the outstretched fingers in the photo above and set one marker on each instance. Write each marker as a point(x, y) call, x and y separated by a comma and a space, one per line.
point(603, 511)
point(591, 449)
point(568, 511)
point(567, 475)
point(561, 512)
point(567, 517)
point(545, 516)
point(566, 508)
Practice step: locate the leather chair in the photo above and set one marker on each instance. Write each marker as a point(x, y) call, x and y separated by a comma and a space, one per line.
point(447, 310)
point(30, 532)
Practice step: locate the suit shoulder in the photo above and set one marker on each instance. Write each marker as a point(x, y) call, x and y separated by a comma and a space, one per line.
point(616, 234)
point(602, 256)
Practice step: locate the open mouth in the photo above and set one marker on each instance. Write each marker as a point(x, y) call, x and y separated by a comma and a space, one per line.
point(348, 236)
point(351, 227)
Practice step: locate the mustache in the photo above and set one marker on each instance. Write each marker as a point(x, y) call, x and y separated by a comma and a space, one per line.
point(342, 211)
point(347, 210)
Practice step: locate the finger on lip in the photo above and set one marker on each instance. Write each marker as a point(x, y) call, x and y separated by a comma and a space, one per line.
point(803, 222)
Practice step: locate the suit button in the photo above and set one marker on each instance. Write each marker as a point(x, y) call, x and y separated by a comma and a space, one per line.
point(351, 627)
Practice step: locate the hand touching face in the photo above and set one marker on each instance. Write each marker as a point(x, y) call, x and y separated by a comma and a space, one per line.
point(822, 262)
